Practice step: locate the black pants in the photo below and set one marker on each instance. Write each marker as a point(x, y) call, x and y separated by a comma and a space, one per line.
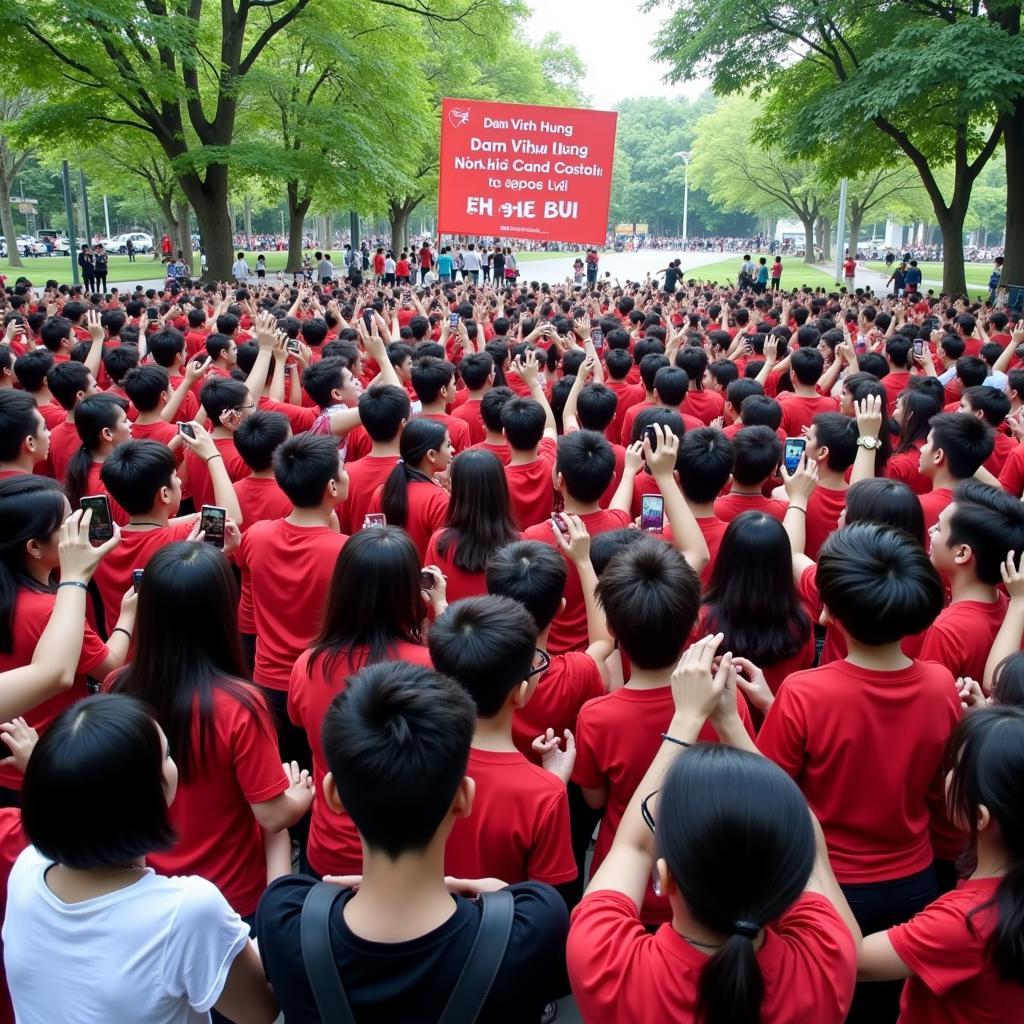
point(101, 283)
point(90, 284)
point(878, 906)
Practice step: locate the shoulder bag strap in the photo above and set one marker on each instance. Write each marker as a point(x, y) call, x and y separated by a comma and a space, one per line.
point(318, 956)
point(485, 958)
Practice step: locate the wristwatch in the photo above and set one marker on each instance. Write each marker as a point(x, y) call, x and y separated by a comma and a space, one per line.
point(871, 443)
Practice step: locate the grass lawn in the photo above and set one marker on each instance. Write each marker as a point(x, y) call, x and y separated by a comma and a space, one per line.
point(976, 273)
point(795, 273)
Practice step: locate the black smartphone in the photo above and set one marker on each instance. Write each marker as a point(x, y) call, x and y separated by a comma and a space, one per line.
point(795, 448)
point(186, 428)
point(560, 523)
point(597, 337)
point(427, 580)
point(101, 527)
point(152, 314)
point(212, 521)
point(453, 321)
point(136, 579)
point(652, 513)
point(293, 346)
point(374, 519)
point(918, 347)
point(368, 318)
point(650, 434)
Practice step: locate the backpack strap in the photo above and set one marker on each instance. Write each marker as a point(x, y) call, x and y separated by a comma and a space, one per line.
point(318, 955)
point(485, 958)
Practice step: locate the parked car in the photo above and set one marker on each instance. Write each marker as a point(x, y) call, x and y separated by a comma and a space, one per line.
point(119, 243)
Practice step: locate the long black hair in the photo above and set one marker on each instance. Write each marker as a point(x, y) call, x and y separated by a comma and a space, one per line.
point(177, 673)
point(986, 758)
point(889, 502)
point(751, 597)
point(479, 518)
point(918, 408)
point(419, 437)
point(373, 601)
point(717, 805)
point(93, 415)
point(31, 508)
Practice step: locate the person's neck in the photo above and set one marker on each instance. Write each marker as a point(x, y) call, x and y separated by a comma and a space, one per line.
point(310, 517)
point(433, 408)
point(738, 488)
point(943, 478)
point(220, 433)
point(495, 734)
point(580, 508)
point(39, 571)
point(701, 510)
point(1015, 404)
point(878, 658)
point(476, 396)
point(44, 397)
point(542, 639)
point(262, 474)
point(523, 457)
point(157, 516)
point(992, 858)
point(24, 463)
point(386, 449)
point(102, 453)
point(144, 419)
point(494, 437)
point(831, 479)
point(805, 390)
point(965, 586)
point(649, 679)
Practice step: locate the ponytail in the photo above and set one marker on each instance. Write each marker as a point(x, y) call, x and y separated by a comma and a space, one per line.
point(731, 986)
point(77, 479)
point(419, 437)
point(93, 415)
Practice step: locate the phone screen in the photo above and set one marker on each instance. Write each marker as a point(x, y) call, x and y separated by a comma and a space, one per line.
point(293, 347)
point(186, 428)
point(795, 447)
point(101, 527)
point(919, 347)
point(597, 337)
point(136, 579)
point(368, 318)
point(374, 519)
point(211, 522)
point(151, 313)
point(427, 580)
point(652, 513)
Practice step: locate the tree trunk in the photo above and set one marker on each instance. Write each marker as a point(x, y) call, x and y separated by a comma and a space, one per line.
point(826, 238)
point(297, 209)
point(184, 232)
point(1013, 140)
point(399, 221)
point(209, 199)
point(7, 222)
point(856, 223)
point(808, 223)
point(247, 217)
point(328, 232)
point(954, 278)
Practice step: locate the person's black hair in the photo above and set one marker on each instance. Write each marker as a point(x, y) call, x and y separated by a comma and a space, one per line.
point(966, 442)
point(31, 369)
point(135, 471)
point(320, 379)
point(144, 385)
point(889, 502)
point(586, 463)
point(165, 346)
point(97, 758)
point(714, 805)
point(523, 421)
point(1008, 680)
point(694, 361)
point(918, 408)
point(491, 406)
point(873, 363)
point(119, 360)
point(807, 365)
point(878, 583)
point(993, 403)
point(595, 406)
point(953, 346)
point(314, 331)
point(725, 371)
point(751, 597)
point(705, 462)
point(303, 467)
point(259, 435)
point(756, 454)
point(990, 522)
point(498, 350)
point(397, 740)
point(19, 419)
point(650, 366)
point(971, 371)
point(487, 645)
point(741, 389)
point(839, 434)
point(246, 355)
point(532, 573)
point(227, 323)
point(651, 597)
point(31, 508)
point(475, 369)
point(605, 546)
point(986, 757)
point(180, 680)
point(382, 408)
point(55, 330)
point(761, 411)
point(808, 336)
point(671, 385)
point(898, 349)
point(93, 415)
point(220, 394)
point(618, 362)
point(66, 380)
point(479, 518)
point(430, 377)
point(217, 345)
point(373, 602)
point(196, 318)
point(419, 437)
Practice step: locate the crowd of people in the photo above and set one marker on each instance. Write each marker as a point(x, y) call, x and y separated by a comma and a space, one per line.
point(467, 645)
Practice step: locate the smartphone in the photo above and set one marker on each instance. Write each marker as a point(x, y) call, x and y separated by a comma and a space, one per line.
point(918, 347)
point(651, 435)
point(186, 428)
point(212, 521)
point(652, 513)
point(374, 519)
point(427, 580)
point(293, 346)
point(557, 520)
point(101, 527)
point(597, 337)
point(453, 321)
point(795, 448)
point(368, 318)
point(136, 579)
point(152, 314)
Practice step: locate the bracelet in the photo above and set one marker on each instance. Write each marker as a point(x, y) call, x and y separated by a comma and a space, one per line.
point(212, 457)
point(73, 583)
point(797, 508)
point(121, 629)
point(672, 739)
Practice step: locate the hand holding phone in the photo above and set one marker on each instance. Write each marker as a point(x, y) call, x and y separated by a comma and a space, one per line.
point(794, 452)
point(187, 429)
point(101, 526)
point(374, 519)
point(652, 513)
point(136, 579)
point(213, 522)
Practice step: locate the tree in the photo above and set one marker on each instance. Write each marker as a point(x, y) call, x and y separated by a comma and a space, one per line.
point(12, 160)
point(931, 78)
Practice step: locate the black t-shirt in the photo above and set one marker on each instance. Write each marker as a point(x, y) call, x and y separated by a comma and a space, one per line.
point(671, 277)
point(410, 982)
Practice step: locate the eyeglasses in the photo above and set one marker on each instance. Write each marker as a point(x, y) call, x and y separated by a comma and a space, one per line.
point(244, 408)
point(545, 661)
point(645, 811)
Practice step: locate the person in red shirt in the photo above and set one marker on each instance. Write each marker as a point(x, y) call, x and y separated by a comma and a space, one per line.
point(705, 464)
point(648, 368)
point(226, 403)
point(69, 383)
point(286, 567)
point(969, 544)
point(914, 411)
point(991, 406)
point(31, 370)
point(231, 787)
point(494, 433)
point(378, 264)
point(167, 347)
point(148, 389)
point(899, 356)
point(259, 495)
point(757, 452)
point(618, 363)
point(24, 435)
point(477, 370)
point(198, 332)
point(411, 496)
point(529, 426)
point(865, 738)
point(777, 944)
point(102, 424)
point(478, 522)
point(956, 448)
point(832, 446)
point(803, 403)
point(702, 404)
point(671, 385)
point(520, 830)
point(373, 614)
point(433, 380)
point(961, 956)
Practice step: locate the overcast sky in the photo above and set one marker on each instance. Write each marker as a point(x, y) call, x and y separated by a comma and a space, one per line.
point(614, 39)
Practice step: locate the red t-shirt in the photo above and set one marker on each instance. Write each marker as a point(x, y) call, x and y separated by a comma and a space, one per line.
point(906, 467)
point(954, 980)
point(286, 571)
point(933, 503)
point(52, 414)
point(824, 507)
point(867, 747)
point(469, 412)
point(364, 477)
point(619, 971)
point(617, 736)
point(962, 634)
point(627, 396)
point(1011, 478)
point(704, 405)
point(259, 498)
point(189, 404)
point(94, 485)
point(895, 383)
point(219, 839)
point(798, 412)
point(459, 584)
point(64, 442)
point(160, 431)
point(531, 487)
point(426, 511)
point(12, 841)
point(569, 628)
point(199, 473)
point(503, 451)
point(731, 505)
point(458, 430)
point(569, 681)
point(1004, 447)
point(32, 611)
point(334, 846)
point(300, 417)
point(519, 827)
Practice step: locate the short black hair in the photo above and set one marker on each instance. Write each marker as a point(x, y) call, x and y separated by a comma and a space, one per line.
point(320, 379)
point(31, 368)
point(839, 434)
point(98, 757)
point(971, 371)
point(144, 385)
point(523, 421)
point(705, 464)
point(430, 376)
point(487, 645)
point(878, 583)
point(586, 462)
point(990, 522)
point(740, 389)
point(993, 403)
point(651, 597)
point(671, 384)
point(532, 573)
point(965, 441)
point(596, 405)
point(491, 406)
point(259, 435)
point(475, 369)
point(304, 466)
point(760, 411)
point(55, 330)
point(618, 362)
point(166, 345)
point(135, 471)
point(18, 420)
point(397, 740)
point(219, 394)
point(650, 366)
point(66, 380)
point(757, 452)
point(382, 409)
point(807, 365)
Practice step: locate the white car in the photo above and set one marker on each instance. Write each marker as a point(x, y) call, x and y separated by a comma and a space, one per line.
point(119, 243)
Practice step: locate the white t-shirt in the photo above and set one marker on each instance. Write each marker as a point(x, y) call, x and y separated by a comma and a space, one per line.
point(325, 270)
point(471, 260)
point(158, 951)
point(389, 265)
point(240, 269)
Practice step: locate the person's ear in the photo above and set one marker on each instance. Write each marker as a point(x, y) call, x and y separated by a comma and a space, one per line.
point(982, 817)
point(963, 554)
point(822, 455)
point(34, 548)
point(825, 619)
point(938, 457)
point(666, 884)
point(331, 794)
point(522, 693)
point(462, 802)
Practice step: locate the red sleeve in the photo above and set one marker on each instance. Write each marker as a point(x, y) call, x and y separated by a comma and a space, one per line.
point(586, 772)
point(782, 738)
point(941, 646)
point(254, 752)
point(94, 651)
point(809, 593)
point(551, 858)
point(1011, 479)
point(547, 450)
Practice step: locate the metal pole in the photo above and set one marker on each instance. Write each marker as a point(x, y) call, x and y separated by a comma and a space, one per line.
point(686, 197)
point(65, 178)
point(106, 216)
point(353, 226)
point(841, 229)
point(85, 207)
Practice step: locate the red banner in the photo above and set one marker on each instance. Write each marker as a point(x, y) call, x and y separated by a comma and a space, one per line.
point(518, 171)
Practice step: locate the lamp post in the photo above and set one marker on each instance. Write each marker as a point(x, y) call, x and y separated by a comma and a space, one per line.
point(685, 157)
